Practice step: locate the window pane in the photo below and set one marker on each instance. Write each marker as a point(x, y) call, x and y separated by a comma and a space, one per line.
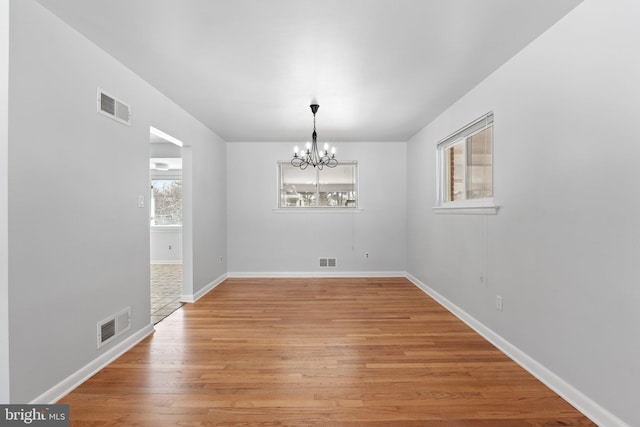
point(167, 202)
point(480, 174)
point(454, 163)
point(465, 161)
point(337, 186)
point(297, 187)
point(312, 187)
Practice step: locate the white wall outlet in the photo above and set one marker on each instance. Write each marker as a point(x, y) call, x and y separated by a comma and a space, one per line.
point(220, 260)
point(141, 201)
point(498, 302)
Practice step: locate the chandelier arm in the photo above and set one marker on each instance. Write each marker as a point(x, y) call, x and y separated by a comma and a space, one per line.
point(312, 156)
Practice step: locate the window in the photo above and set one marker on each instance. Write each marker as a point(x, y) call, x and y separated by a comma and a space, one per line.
point(166, 201)
point(312, 187)
point(465, 165)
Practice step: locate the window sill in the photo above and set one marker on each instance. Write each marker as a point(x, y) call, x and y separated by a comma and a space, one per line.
point(467, 210)
point(166, 228)
point(316, 210)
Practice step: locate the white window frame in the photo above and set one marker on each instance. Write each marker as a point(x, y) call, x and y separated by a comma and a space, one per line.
point(162, 177)
point(484, 206)
point(337, 209)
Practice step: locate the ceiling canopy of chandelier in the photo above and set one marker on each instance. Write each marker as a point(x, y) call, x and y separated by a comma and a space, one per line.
point(310, 155)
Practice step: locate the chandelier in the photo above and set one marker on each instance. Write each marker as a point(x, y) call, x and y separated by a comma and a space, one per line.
point(310, 155)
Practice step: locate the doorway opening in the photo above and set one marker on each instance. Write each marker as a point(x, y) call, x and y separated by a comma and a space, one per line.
point(165, 179)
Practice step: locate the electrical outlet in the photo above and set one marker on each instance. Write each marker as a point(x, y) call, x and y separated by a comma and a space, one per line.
point(498, 302)
point(169, 247)
point(220, 260)
point(366, 255)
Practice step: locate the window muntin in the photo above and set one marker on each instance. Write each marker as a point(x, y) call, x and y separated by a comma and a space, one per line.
point(466, 164)
point(166, 201)
point(320, 188)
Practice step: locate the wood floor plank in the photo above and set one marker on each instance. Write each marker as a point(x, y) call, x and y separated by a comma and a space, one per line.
point(316, 352)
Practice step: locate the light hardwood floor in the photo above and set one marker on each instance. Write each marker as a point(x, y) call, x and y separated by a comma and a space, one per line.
point(316, 352)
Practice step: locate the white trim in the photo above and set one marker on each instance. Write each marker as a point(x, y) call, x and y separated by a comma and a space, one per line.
point(166, 228)
point(467, 210)
point(326, 210)
point(461, 133)
point(165, 136)
point(155, 174)
point(203, 291)
point(575, 397)
point(172, 261)
point(314, 274)
point(67, 385)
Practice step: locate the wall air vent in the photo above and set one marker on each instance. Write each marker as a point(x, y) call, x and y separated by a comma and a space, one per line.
point(327, 262)
point(107, 330)
point(113, 108)
point(111, 327)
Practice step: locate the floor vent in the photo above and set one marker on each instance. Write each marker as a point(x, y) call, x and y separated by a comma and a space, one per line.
point(111, 327)
point(328, 262)
point(113, 108)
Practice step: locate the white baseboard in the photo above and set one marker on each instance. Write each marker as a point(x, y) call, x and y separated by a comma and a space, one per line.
point(202, 292)
point(313, 274)
point(576, 398)
point(171, 261)
point(67, 385)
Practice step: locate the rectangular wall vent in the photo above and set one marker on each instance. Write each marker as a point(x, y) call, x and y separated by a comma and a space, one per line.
point(107, 330)
point(113, 108)
point(111, 327)
point(327, 262)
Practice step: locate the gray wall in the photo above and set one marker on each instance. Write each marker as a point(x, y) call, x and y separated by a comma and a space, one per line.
point(563, 249)
point(261, 241)
point(166, 246)
point(4, 256)
point(207, 163)
point(79, 245)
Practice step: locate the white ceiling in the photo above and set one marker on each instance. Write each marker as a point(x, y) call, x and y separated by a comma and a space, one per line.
point(248, 69)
